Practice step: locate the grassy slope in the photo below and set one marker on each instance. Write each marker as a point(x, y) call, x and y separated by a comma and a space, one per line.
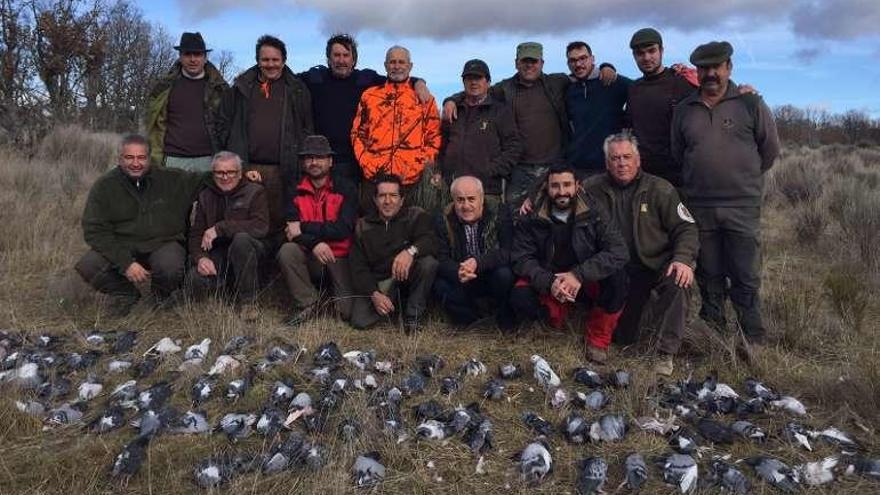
point(830, 365)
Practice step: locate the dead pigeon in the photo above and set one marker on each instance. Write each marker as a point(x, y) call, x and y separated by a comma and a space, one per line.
point(125, 393)
point(123, 342)
point(432, 429)
point(224, 364)
point(349, 429)
point(449, 385)
point(285, 455)
point(754, 388)
point(385, 367)
point(55, 389)
point(76, 361)
point(680, 470)
point(479, 436)
point(544, 374)
point(790, 405)
point(462, 417)
point(494, 389)
point(361, 359)
point(198, 351)
point(316, 456)
point(327, 354)
point(576, 428)
point(236, 425)
point(236, 344)
point(728, 478)
point(163, 347)
point(636, 471)
point(145, 368)
point(619, 379)
point(191, 422)
point(819, 472)
point(32, 408)
point(684, 441)
point(588, 377)
point(559, 398)
point(836, 437)
point(428, 366)
point(28, 376)
point(150, 423)
point(413, 384)
point(609, 428)
point(89, 389)
point(715, 432)
point(213, 472)
point(657, 425)
point(473, 367)
point(282, 392)
point(64, 415)
point(270, 422)
point(538, 424)
point(592, 477)
point(751, 406)
point(301, 401)
point(202, 389)
point(128, 462)
point(775, 472)
point(109, 420)
point(368, 470)
point(864, 466)
point(155, 397)
point(117, 366)
point(535, 462)
point(797, 434)
point(749, 431)
point(428, 410)
point(367, 382)
point(594, 401)
point(236, 389)
point(509, 371)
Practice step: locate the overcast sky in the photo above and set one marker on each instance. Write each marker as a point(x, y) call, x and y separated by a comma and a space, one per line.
point(806, 52)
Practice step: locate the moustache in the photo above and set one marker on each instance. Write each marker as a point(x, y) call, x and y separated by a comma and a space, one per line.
point(709, 79)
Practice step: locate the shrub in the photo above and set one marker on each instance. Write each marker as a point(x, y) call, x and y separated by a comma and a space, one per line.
point(89, 151)
point(798, 180)
point(848, 295)
point(810, 221)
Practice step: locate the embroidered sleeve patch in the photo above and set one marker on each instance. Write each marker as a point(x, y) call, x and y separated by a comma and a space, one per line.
point(684, 214)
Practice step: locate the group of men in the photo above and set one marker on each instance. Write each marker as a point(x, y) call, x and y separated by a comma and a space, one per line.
point(566, 190)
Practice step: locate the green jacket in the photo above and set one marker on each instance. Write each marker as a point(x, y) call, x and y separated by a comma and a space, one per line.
point(157, 109)
point(664, 230)
point(119, 221)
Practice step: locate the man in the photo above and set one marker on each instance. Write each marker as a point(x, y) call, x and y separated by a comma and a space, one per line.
point(650, 103)
point(474, 254)
point(393, 251)
point(566, 252)
point(320, 220)
point(182, 109)
point(483, 141)
point(725, 141)
point(393, 132)
point(662, 240)
point(336, 91)
point(595, 109)
point(134, 222)
point(226, 240)
point(263, 118)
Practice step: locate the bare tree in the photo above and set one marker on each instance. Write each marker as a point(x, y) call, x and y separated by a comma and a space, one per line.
point(225, 63)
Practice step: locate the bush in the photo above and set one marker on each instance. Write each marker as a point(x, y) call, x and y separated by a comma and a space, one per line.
point(88, 151)
point(798, 180)
point(856, 207)
point(848, 295)
point(810, 221)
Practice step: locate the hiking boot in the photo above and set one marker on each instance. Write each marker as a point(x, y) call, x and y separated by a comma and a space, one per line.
point(250, 312)
point(663, 365)
point(596, 355)
point(174, 300)
point(303, 315)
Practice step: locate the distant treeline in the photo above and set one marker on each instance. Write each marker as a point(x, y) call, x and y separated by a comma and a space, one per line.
point(93, 62)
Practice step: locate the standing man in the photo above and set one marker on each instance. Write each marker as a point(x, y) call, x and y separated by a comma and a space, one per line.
point(662, 240)
point(567, 252)
point(226, 240)
point(474, 255)
point(320, 221)
point(263, 118)
point(483, 141)
point(595, 109)
point(183, 107)
point(135, 223)
point(650, 103)
point(725, 141)
point(393, 132)
point(336, 91)
point(393, 252)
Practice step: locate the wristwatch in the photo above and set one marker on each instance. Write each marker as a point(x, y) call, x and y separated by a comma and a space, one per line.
point(412, 250)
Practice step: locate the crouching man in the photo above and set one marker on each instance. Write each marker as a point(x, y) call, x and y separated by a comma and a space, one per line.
point(662, 239)
point(226, 240)
point(320, 220)
point(135, 223)
point(567, 252)
point(474, 255)
point(393, 253)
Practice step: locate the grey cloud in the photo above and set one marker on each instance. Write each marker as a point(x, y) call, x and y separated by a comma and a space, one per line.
point(455, 19)
point(808, 55)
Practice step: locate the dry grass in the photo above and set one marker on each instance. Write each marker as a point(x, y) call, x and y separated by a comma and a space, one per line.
point(819, 354)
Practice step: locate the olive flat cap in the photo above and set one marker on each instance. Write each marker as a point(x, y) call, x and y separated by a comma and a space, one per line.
point(530, 49)
point(712, 53)
point(475, 67)
point(645, 36)
point(316, 145)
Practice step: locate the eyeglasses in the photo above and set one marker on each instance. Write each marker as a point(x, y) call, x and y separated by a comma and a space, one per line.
point(222, 174)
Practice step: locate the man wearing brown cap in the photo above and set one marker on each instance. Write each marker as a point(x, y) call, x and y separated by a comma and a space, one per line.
point(320, 219)
point(483, 141)
point(182, 109)
point(725, 141)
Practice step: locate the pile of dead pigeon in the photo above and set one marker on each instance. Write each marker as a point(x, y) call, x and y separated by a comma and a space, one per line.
point(69, 389)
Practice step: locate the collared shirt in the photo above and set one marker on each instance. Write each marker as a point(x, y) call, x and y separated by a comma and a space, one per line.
point(472, 240)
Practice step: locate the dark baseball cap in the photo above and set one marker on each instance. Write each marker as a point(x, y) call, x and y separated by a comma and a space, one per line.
point(712, 53)
point(645, 36)
point(475, 67)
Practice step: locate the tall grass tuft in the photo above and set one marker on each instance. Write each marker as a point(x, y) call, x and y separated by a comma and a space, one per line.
point(848, 295)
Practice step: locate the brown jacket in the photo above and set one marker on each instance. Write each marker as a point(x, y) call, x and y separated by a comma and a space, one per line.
point(244, 209)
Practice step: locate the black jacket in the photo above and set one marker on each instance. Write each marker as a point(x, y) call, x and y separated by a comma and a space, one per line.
point(496, 239)
point(598, 246)
point(482, 142)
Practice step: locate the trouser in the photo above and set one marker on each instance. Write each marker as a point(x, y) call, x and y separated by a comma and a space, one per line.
point(238, 265)
point(165, 263)
point(730, 249)
point(273, 181)
point(303, 272)
point(460, 299)
point(655, 305)
point(607, 297)
point(523, 181)
point(417, 288)
point(192, 164)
